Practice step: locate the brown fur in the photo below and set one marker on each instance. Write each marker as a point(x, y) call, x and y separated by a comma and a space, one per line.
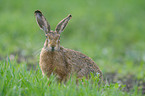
point(61, 61)
point(67, 62)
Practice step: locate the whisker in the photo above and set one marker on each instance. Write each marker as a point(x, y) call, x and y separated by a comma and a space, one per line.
point(37, 52)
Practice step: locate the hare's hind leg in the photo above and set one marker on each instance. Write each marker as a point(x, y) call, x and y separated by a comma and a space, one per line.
point(82, 73)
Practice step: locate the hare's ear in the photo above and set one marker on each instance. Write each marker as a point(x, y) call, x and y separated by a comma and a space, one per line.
point(62, 24)
point(42, 22)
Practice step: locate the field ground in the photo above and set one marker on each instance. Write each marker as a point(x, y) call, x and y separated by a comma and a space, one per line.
point(111, 32)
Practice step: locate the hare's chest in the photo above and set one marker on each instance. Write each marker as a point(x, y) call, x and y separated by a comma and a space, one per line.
point(55, 61)
point(59, 62)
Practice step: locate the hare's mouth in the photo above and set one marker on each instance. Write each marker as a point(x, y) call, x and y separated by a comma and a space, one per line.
point(52, 48)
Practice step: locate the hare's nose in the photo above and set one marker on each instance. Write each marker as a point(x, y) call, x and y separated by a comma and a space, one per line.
point(52, 45)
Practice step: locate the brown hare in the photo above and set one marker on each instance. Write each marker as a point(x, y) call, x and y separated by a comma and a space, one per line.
point(61, 61)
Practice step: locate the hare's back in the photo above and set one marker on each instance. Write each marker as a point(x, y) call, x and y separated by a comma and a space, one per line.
point(81, 61)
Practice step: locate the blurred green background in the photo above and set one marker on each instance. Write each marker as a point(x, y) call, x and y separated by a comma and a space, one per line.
point(111, 32)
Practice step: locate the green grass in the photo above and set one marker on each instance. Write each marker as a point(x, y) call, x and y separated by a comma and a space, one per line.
point(15, 80)
point(111, 32)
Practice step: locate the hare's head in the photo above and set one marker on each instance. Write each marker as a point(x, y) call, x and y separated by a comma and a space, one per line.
point(52, 42)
